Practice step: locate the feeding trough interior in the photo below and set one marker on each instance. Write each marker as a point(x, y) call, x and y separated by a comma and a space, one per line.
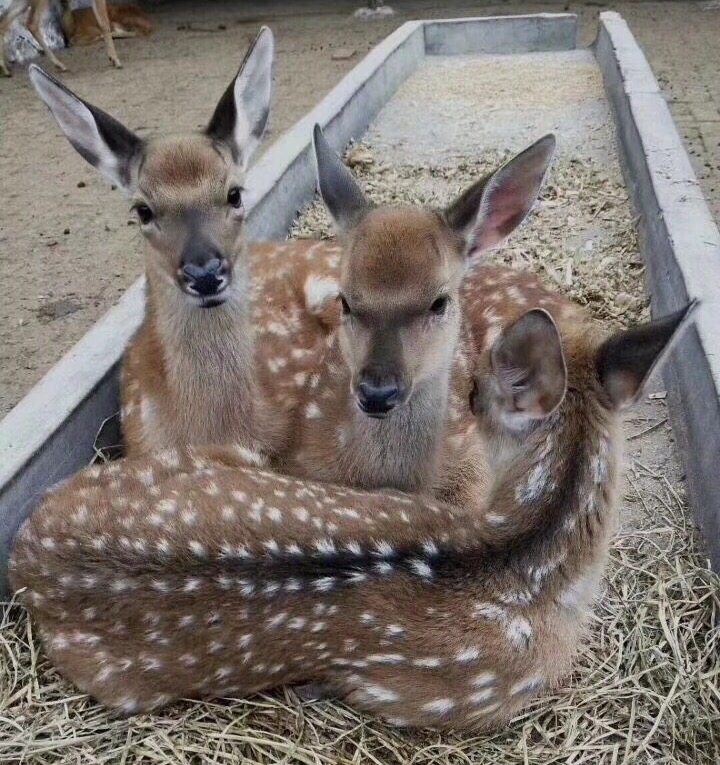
point(433, 107)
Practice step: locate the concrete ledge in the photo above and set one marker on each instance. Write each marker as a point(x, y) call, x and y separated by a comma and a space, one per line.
point(501, 34)
point(680, 244)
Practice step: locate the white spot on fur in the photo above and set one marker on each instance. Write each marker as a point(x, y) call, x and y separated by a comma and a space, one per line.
point(480, 697)
point(519, 631)
point(428, 662)
point(386, 658)
point(440, 706)
point(312, 411)
point(468, 654)
point(318, 289)
point(526, 685)
point(380, 693)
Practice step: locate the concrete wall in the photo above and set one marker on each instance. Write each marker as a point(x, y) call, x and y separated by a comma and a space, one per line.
point(680, 244)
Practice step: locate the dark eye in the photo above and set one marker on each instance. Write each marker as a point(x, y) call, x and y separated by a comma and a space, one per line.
point(344, 305)
point(440, 305)
point(144, 213)
point(234, 197)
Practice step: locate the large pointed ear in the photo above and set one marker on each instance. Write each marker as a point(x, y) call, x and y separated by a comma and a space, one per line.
point(493, 207)
point(343, 198)
point(99, 138)
point(241, 115)
point(529, 366)
point(626, 360)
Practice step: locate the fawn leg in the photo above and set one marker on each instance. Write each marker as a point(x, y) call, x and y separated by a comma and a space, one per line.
point(101, 14)
point(37, 12)
point(15, 9)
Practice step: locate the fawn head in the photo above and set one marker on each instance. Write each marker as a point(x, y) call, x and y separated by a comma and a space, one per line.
point(402, 269)
point(529, 369)
point(187, 190)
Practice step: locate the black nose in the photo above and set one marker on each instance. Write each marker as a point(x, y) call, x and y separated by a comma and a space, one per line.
point(377, 399)
point(206, 279)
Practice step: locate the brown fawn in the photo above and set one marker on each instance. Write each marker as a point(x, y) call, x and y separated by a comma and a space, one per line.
point(388, 406)
point(191, 575)
point(36, 11)
point(191, 374)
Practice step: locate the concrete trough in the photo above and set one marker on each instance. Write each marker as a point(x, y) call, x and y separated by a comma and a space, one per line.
point(52, 431)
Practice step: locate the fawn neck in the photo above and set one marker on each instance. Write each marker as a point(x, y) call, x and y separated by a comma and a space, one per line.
point(402, 451)
point(208, 360)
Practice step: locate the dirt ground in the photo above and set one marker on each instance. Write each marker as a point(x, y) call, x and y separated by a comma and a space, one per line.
point(69, 248)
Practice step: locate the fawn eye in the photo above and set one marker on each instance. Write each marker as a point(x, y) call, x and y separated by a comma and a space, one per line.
point(234, 197)
point(344, 305)
point(144, 213)
point(440, 305)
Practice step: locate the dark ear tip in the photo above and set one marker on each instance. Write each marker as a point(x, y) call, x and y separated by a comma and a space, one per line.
point(546, 145)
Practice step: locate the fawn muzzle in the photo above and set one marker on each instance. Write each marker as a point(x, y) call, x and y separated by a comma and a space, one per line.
point(378, 399)
point(205, 275)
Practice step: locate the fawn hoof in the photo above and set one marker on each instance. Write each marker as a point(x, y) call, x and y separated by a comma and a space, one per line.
point(313, 692)
point(116, 63)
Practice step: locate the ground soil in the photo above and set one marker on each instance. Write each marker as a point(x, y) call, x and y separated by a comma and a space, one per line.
point(68, 247)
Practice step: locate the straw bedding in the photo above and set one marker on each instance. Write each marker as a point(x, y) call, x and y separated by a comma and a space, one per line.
point(646, 687)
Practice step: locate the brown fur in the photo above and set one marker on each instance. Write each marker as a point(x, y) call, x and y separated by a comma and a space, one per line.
point(227, 579)
point(81, 26)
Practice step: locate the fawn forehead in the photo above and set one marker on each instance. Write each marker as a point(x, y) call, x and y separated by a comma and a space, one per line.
point(403, 254)
point(182, 169)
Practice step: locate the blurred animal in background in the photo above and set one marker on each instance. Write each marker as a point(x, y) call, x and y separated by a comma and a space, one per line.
point(82, 26)
point(374, 9)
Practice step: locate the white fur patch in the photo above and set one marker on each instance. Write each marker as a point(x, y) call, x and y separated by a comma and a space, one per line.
point(318, 289)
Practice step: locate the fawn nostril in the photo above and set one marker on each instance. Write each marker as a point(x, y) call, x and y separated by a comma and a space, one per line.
point(377, 399)
point(206, 279)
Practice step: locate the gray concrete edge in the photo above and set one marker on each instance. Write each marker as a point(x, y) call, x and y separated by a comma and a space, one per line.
point(50, 433)
point(501, 34)
point(680, 244)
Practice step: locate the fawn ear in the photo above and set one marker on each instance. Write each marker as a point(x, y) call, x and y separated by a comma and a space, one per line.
point(493, 207)
point(626, 360)
point(343, 198)
point(99, 138)
point(529, 365)
point(241, 116)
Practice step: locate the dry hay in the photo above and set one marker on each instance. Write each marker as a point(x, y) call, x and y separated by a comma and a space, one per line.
point(646, 686)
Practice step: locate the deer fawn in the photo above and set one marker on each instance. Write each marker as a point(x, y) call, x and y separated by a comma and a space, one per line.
point(379, 410)
point(191, 575)
point(37, 10)
point(190, 374)
point(81, 26)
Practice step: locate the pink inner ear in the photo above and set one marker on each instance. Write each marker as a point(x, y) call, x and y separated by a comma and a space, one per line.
point(503, 209)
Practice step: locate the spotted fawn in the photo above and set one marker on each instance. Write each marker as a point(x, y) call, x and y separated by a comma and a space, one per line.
point(201, 573)
point(194, 372)
point(388, 407)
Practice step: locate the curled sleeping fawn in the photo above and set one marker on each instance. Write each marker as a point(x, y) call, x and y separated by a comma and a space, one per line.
point(190, 575)
point(190, 373)
point(389, 405)
point(36, 11)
